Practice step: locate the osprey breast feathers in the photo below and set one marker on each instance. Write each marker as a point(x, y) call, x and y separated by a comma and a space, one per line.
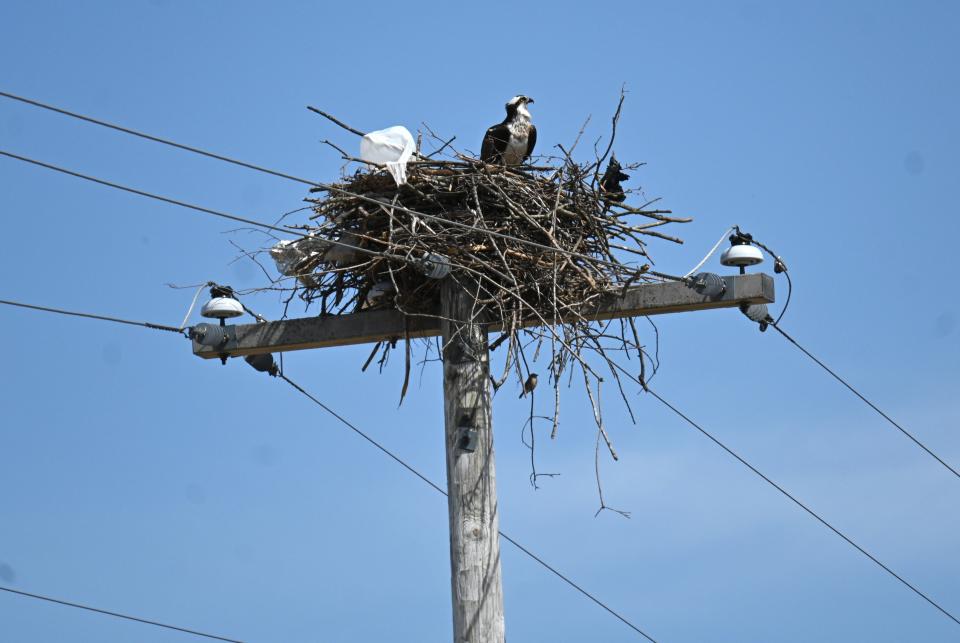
point(512, 141)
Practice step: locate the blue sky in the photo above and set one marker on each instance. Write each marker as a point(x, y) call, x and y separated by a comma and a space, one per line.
point(138, 478)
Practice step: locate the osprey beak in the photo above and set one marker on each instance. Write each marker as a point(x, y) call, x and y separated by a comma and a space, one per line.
point(529, 100)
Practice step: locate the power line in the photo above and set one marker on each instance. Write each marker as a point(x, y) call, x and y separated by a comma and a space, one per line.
point(786, 304)
point(78, 605)
point(73, 313)
point(119, 615)
point(190, 206)
point(360, 433)
point(783, 491)
point(409, 468)
point(149, 195)
point(779, 267)
point(865, 400)
point(157, 139)
point(267, 226)
point(801, 505)
point(219, 213)
point(697, 267)
point(324, 186)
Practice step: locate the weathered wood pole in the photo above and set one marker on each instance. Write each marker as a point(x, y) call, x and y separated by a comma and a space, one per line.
point(475, 580)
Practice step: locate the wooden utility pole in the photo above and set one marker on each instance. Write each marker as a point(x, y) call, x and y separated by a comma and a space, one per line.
point(475, 581)
point(471, 480)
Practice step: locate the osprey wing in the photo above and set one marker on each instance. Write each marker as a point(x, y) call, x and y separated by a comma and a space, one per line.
point(494, 143)
point(531, 140)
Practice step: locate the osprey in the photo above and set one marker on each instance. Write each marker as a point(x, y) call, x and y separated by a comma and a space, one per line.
point(510, 142)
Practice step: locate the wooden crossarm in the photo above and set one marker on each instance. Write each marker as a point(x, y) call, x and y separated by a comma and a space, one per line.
point(384, 325)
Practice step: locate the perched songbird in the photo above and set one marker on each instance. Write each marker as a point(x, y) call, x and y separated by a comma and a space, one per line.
point(511, 142)
point(530, 384)
point(610, 183)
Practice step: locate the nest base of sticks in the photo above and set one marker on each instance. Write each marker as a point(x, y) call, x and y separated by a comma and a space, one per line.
point(537, 244)
point(540, 241)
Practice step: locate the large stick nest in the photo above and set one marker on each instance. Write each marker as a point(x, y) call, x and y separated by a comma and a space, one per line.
point(538, 244)
point(541, 241)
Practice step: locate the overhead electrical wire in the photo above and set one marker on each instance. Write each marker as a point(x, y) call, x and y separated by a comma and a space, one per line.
point(802, 505)
point(786, 304)
point(190, 206)
point(117, 320)
point(706, 433)
point(697, 267)
point(787, 494)
point(865, 400)
point(73, 313)
point(219, 213)
point(324, 186)
point(781, 268)
point(437, 488)
point(128, 617)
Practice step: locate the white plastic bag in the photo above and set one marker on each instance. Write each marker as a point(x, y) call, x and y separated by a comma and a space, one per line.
point(393, 147)
point(289, 254)
point(286, 254)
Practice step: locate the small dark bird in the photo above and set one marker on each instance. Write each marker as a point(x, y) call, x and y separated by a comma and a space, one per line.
point(529, 385)
point(610, 183)
point(511, 142)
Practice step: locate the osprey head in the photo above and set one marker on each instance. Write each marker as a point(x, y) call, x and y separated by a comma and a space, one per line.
point(518, 105)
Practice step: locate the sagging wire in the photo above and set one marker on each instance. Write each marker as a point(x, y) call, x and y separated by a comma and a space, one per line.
point(221, 291)
point(758, 312)
point(803, 506)
point(437, 488)
point(210, 211)
point(193, 303)
point(645, 385)
point(128, 617)
point(779, 267)
point(713, 250)
point(865, 400)
point(73, 313)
